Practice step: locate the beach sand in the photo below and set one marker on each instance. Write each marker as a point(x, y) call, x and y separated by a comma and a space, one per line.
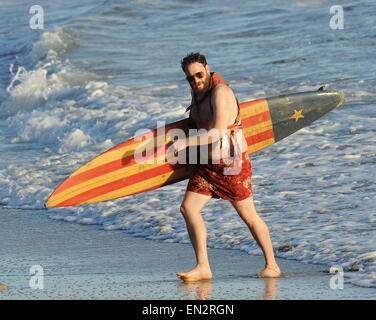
point(86, 262)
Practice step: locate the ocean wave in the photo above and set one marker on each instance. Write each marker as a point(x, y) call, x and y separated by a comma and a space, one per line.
point(51, 45)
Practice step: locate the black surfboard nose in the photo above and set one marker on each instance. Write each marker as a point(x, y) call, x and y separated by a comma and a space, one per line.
point(341, 95)
point(292, 112)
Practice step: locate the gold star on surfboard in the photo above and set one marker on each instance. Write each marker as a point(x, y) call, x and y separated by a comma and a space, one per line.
point(297, 115)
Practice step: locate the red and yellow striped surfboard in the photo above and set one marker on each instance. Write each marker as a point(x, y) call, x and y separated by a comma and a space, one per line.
point(116, 173)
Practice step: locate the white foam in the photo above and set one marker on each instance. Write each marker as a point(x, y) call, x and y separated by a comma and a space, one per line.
point(27, 90)
point(51, 44)
point(74, 140)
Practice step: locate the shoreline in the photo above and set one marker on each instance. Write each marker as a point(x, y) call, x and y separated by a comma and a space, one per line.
point(84, 262)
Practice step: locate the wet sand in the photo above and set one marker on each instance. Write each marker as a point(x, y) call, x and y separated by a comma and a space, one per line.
point(85, 262)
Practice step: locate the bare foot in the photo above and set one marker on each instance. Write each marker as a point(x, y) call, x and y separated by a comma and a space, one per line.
point(196, 274)
point(271, 271)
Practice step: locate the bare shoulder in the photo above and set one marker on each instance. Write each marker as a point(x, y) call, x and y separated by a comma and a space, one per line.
point(222, 90)
point(223, 96)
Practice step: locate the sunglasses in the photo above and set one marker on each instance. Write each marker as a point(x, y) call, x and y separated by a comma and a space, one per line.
point(198, 75)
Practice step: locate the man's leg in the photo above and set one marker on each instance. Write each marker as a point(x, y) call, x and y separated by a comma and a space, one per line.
point(191, 209)
point(260, 233)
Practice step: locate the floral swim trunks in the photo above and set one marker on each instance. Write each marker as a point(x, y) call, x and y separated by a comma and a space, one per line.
point(213, 180)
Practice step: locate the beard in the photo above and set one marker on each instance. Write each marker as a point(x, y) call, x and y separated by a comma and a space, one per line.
point(203, 86)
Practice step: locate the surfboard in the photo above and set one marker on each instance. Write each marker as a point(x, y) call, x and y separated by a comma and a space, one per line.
point(140, 164)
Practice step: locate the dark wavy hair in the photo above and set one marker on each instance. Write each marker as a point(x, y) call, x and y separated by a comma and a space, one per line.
point(191, 58)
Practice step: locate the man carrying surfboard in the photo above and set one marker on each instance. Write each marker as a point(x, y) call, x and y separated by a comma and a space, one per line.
point(216, 109)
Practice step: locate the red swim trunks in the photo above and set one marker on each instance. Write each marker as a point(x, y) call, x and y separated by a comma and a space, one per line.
point(213, 180)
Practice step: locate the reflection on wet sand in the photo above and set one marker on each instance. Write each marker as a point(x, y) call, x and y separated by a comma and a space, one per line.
point(271, 286)
point(199, 290)
point(202, 290)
